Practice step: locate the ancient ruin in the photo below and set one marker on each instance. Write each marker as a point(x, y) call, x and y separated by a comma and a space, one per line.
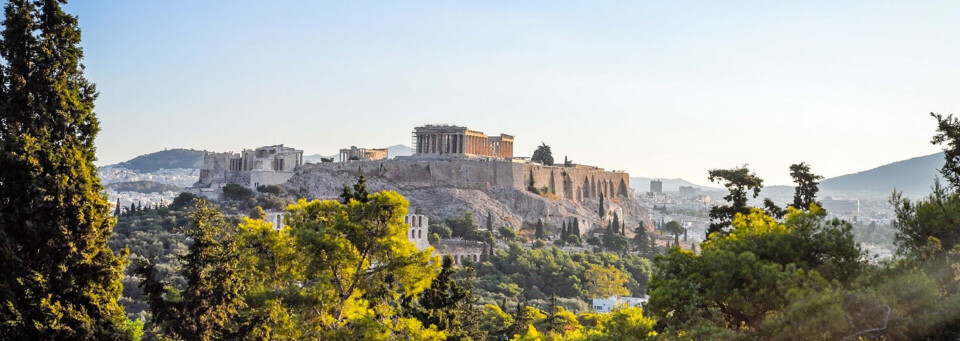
point(442, 139)
point(458, 249)
point(362, 154)
point(269, 165)
point(418, 232)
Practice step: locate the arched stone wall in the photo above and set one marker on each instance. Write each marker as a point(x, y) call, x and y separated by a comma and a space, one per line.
point(586, 188)
point(622, 189)
point(553, 183)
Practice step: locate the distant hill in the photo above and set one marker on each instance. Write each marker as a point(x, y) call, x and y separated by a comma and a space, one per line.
point(912, 177)
point(166, 159)
point(642, 184)
point(392, 151)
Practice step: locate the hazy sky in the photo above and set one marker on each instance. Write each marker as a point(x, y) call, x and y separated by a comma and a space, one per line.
point(657, 89)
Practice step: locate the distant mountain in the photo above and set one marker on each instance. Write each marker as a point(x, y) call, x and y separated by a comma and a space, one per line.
point(399, 150)
point(642, 184)
point(912, 177)
point(166, 159)
point(392, 152)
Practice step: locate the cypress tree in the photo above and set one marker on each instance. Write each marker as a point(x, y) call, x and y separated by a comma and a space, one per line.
point(616, 224)
point(442, 303)
point(118, 211)
point(640, 238)
point(539, 234)
point(554, 322)
point(489, 221)
point(60, 279)
point(360, 189)
point(601, 211)
point(214, 269)
point(346, 194)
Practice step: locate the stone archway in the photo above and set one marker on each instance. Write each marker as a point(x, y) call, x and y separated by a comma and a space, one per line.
point(622, 189)
point(567, 187)
point(586, 188)
point(594, 189)
point(553, 184)
point(579, 196)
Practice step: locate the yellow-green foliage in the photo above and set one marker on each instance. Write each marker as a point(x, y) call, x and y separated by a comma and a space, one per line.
point(623, 323)
point(335, 272)
point(605, 281)
point(356, 264)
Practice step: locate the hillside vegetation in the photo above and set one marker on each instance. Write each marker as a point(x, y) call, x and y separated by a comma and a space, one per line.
point(167, 159)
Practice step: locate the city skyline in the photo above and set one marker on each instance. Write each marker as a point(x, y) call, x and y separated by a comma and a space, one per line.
point(656, 90)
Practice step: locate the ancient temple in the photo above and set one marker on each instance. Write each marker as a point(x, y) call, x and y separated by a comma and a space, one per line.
point(442, 139)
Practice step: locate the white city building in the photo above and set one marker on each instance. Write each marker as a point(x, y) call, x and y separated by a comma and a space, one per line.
point(605, 305)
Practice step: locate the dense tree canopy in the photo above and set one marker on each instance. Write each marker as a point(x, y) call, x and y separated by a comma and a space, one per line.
point(543, 155)
point(60, 280)
point(741, 277)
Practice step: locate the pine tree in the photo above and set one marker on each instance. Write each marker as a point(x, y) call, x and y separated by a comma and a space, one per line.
point(808, 183)
point(60, 279)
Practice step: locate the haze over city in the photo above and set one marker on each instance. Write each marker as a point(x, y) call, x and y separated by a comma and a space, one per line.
point(659, 90)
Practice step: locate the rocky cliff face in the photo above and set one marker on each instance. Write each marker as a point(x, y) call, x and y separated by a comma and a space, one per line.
point(444, 189)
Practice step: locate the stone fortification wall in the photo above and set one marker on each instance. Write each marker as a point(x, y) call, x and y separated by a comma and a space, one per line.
point(214, 170)
point(446, 188)
point(571, 183)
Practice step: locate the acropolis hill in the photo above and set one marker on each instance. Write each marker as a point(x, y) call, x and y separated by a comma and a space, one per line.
point(453, 170)
point(446, 188)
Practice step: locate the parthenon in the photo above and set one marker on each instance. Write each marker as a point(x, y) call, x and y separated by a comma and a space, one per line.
point(455, 140)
